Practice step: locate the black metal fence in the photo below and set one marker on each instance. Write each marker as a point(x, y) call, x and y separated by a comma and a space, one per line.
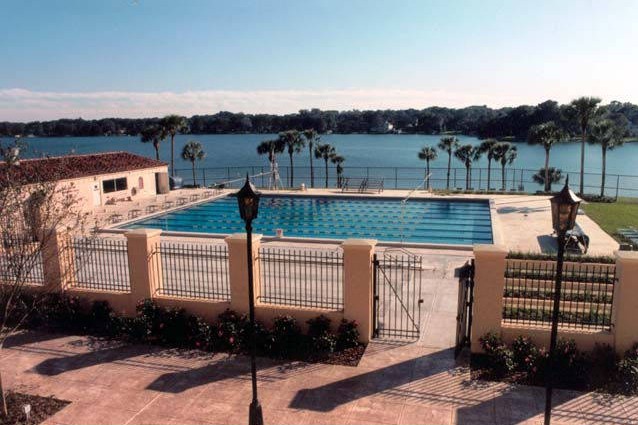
point(397, 295)
point(512, 180)
point(22, 263)
point(586, 296)
point(101, 264)
point(192, 270)
point(301, 278)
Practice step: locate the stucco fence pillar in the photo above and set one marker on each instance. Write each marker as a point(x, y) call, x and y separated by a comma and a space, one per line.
point(238, 270)
point(357, 277)
point(489, 284)
point(625, 304)
point(58, 260)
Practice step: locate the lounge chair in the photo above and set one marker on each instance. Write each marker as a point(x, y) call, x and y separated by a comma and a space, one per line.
point(577, 240)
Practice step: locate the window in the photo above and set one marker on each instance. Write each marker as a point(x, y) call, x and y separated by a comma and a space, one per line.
point(114, 185)
point(140, 183)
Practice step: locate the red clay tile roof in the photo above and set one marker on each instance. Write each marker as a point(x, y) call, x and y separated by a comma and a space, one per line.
point(75, 166)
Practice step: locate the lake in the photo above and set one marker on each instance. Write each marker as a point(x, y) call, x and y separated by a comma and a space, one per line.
point(365, 150)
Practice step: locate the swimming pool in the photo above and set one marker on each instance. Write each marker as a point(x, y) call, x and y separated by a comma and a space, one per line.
point(459, 222)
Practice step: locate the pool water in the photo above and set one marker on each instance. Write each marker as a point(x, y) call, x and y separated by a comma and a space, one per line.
point(417, 221)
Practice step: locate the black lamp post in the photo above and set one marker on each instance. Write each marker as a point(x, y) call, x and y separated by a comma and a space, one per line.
point(248, 201)
point(564, 210)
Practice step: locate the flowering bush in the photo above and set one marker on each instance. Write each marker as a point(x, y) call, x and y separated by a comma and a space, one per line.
point(627, 372)
point(287, 339)
point(347, 334)
point(501, 358)
point(322, 340)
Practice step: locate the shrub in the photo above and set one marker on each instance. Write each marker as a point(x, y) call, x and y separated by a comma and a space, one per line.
point(174, 329)
point(627, 372)
point(601, 362)
point(287, 339)
point(347, 334)
point(230, 332)
point(63, 312)
point(527, 357)
point(322, 341)
point(102, 320)
point(501, 358)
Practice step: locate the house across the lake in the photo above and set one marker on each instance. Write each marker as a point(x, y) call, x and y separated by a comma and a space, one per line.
point(100, 178)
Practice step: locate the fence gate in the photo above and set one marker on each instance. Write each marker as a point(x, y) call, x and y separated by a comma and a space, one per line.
point(397, 295)
point(464, 311)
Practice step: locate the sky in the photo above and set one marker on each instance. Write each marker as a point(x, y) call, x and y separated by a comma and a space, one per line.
point(140, 58)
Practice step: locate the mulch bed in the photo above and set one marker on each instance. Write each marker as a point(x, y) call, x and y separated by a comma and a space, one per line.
point(348, 357)
point(41, 408)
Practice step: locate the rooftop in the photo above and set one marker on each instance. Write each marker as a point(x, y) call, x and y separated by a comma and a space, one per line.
point(76, 166)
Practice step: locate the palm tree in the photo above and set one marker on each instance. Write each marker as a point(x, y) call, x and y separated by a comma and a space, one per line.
point(466, 154)
point(311, 137)
point(427, 154)
point(546, 135)
point(325, 151)
point(547, 177)
point(584, 109)
point(154, 134)
point(270, 148)
point(505, 153)
point(294, 143)
point(448, 144)
point(193, 151)
point(487, 147)
point(608, 134)
point(338, 160)
point(173, 124)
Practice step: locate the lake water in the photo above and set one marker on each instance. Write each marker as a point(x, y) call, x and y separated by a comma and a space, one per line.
point(364, 150)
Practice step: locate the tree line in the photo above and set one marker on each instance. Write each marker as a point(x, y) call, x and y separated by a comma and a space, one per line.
point(481, 121)
point(596, 124)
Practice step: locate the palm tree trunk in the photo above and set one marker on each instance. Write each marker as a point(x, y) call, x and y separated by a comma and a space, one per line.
point(602, 184)
point(548, 184)
point(467, 177)
point(582, 162)
point(156, 146)
point(5, 411)
point(449, 164)
point(489, 172)
point(503, 176)
point(172, 154)
point(326, 160)
point(292, 172)
point(194, 178)
point(312, 170)
point(427, 172)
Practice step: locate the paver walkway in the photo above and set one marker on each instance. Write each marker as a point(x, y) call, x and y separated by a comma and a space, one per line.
point(109, 383)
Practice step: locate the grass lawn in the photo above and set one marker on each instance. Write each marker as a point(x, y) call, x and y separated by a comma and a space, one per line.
point(613, 216)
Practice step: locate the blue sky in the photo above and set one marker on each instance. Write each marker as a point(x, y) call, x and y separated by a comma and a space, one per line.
point(149, 57)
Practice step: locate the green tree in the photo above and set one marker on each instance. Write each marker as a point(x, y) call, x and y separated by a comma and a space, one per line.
point(505, 153)
point(325, 151)
point(448, 144)
point(193, 151)
point(608, 134)
point(546, 135)
point(270, 148)
point(338, 161)
point(487, 147)
point(548, 176)
point(154, 134)
point(171, 125)
point(427, 154)
point(467, 154)
point(311, 137)
point(584, 109)
point(294, 144)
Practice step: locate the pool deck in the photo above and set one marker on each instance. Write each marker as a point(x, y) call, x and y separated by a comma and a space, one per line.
point(520, 222)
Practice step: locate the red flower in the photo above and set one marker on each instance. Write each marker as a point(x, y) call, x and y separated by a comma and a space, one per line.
point(197, 344)
point(161, 326)
point(231, 340)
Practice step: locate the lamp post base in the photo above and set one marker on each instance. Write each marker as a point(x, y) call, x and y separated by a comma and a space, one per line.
point(255, 416)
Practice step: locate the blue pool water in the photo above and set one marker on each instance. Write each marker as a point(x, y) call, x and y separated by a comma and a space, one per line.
point(417, 221)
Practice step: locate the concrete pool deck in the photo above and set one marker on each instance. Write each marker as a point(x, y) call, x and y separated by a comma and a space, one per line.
point(520, 222)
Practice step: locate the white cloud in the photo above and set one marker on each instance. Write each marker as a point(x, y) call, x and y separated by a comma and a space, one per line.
point(26, 105)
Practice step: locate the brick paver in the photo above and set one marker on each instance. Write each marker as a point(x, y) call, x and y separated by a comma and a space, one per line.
point(109, 383)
